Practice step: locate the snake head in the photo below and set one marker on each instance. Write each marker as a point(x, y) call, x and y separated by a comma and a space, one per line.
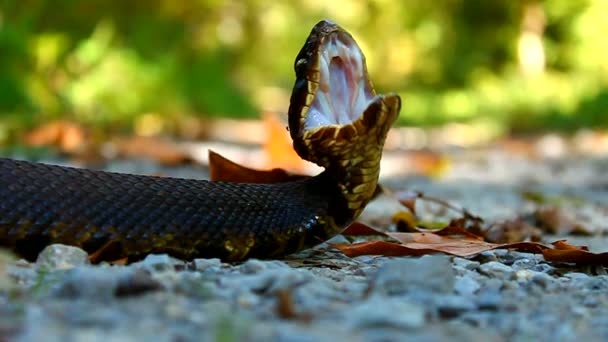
point(334, 109)
point(336, 119)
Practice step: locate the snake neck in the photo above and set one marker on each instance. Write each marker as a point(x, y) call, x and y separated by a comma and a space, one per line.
point(351, 154)
point(356, 186)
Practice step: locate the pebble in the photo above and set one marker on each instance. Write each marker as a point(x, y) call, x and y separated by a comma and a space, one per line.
point(544, 268)
point(400, 314)
point(202, 265)
point(496, 269)
point(597, 283)
point(466, 264)
point(466, 286)
point(429, 273)
point(61, 257)
point(450, 306)
point(136, 283)
point(524, 264)
point(252, 266)
point(159, 262)
point(93, 283)
point(489, 299)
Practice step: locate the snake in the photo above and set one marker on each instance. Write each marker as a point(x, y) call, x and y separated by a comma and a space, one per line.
point(335, 119)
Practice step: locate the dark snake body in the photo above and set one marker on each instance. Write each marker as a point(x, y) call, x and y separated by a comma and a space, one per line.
point(187, 218)
point(119, 215)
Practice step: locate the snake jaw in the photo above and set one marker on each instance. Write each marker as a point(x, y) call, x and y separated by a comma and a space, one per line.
point(344, 90)
point(333, 100)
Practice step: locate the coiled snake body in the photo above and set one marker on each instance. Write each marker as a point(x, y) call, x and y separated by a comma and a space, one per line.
point(335, 119)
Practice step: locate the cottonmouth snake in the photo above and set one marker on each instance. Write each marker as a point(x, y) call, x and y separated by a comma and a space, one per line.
point(335, 119)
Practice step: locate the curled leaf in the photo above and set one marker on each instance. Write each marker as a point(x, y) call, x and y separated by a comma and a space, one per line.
point(225, 170)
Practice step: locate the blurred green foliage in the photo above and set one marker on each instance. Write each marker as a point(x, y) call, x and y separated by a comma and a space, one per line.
point(507, 65)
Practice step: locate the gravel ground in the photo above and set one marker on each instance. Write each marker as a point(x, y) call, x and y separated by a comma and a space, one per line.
point(321, 295)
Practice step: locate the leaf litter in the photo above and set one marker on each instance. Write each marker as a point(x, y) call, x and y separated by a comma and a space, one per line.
point(463, 236)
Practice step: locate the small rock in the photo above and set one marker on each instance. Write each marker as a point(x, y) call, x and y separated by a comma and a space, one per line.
point(489, 299)
point(524, 264)
point(544, 268)
point(496, 269)
point(21, 272)
point(96, 283)
point(591, 302)
point(487, 256)
point(202, 265)
point(136, 283)
point(466, 263)
point(252, 266)
point(266, 282)
point(451, 306)
point(401, 314)
point(466, 286)
point(159, 262)
point(576, 276)
point(104, 283)
point(542, 279)
point(576, 280)
point(524, 275)
point(61, 257)
point(429, 273)
point(194, 284)
point(597, 283)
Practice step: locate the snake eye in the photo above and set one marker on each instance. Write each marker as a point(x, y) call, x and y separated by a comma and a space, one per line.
point(300, 63)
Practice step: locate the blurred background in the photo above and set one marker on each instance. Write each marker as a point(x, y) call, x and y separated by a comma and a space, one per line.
point(174, 68)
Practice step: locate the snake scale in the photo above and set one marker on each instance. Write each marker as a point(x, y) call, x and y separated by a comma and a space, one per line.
point(336, 120)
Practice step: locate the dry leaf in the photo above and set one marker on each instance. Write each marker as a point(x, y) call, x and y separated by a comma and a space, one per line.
point(160, 150)
point(413, 244)
point(223, 169)
point(378, 248)
point(68, 136)
point(565, 252)
point(278, 145)
point(361, 229)
point(556, 221)
point(512, 231)
point(455, 240)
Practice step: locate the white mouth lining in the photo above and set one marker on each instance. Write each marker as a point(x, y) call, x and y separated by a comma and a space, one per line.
point(343, 93)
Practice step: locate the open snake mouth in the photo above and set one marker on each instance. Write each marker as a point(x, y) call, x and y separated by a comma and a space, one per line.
point(344, 90)
point(334, 109)
point(333, 87)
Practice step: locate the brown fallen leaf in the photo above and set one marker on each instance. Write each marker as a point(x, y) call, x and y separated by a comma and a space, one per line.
point(108, 251)
point(555, 221)
point(416, 244)
point(225, 170)
point(361, 229)
point(278, 145)
point(378, 247)
point(69, 137)
point(565, 252)
point(513, 230)
point(454, 240)
point(157, 149)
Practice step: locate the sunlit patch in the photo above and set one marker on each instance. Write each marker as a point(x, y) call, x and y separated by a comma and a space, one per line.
point(344, 91)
